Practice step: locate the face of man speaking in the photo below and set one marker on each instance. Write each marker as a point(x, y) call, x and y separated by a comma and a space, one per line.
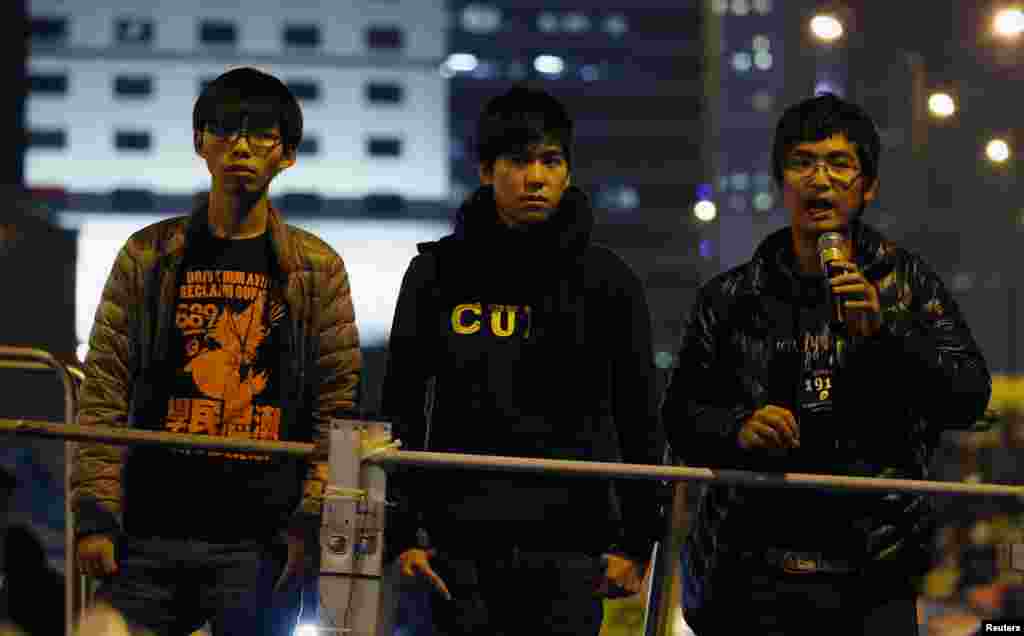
point(824, 187)
point(528, 185)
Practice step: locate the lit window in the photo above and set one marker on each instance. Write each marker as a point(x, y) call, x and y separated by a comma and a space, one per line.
point(741, 7)
point(620, 197)
point(761, 43)
point(763, 60)
point(720, 7)
point(134, 31)
point(52, 138)
point(304, 90)
point(549, 64)
point(575, 22)
point(133, 86)
point(762, 101)
point(764, 7)
point(763, 201)
point(218, 32)
point(741, 61)
point(383, 38)
point(384, 93)
point(485, 70)
point(384, 147)
point(305, 36)
point(664, 360)
point(460, 63)
point(616, 25)
point(48, 84)
point(828, 86)
point(132, 140)
point(481, 18)
point(49, 31)
point(740, 181)
point(723, 183)
point(547, 22)
point(590, 73)
point(763, 180)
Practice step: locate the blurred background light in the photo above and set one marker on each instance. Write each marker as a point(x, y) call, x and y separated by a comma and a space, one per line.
point(549, 64)
point(997, 150)
point(705, 211)
point(941, 104)
point(826, 28)
point(462, 62)
point(1009, 22)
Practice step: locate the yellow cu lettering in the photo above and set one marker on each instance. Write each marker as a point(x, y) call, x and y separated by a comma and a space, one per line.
point(473, 326)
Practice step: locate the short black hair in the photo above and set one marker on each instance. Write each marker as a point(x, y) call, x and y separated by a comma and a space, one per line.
point(818, 118)
point(519, 118)
point(260, 92)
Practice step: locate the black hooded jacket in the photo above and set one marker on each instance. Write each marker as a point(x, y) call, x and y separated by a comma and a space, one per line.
point(530, 343)
point(752, 336)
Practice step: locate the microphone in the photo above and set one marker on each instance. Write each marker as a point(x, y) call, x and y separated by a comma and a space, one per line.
point(831, 246)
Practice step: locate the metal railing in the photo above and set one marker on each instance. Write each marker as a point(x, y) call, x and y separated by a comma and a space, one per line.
point(28, 359)
point(667, 557)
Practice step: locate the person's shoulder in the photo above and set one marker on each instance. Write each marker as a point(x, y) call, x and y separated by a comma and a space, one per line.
point(147, 240)
point(317, 252)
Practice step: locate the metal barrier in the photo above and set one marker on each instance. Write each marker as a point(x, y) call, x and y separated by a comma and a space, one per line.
point(28, 359)
point(352, 530)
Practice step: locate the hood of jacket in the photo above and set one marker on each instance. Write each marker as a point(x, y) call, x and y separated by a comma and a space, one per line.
point(565, 235)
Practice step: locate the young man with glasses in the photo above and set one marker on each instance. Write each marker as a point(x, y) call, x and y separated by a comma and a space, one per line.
point(771, 379)
point(228, 323)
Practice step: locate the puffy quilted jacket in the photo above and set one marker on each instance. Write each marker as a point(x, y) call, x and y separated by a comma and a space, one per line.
point(895, 393)
point(129, 341)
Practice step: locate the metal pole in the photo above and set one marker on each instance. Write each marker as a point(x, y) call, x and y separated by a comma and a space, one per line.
point(114, 435)
point(352, 534)
point(34, 359)
point(685, 473)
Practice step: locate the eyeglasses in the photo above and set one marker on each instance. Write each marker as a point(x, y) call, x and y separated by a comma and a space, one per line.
point(841, 169)
point(261, 140)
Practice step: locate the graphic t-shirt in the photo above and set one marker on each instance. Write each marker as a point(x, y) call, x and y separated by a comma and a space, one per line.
point(224, 379)
point(225, 346)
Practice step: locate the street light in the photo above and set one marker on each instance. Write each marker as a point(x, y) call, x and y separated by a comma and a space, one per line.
point(826, 27)
point(705, 211)
point(941, 105)
point(1009, 22)
point(997, 150)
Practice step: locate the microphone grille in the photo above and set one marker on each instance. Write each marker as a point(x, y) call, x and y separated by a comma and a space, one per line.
point(830, 240)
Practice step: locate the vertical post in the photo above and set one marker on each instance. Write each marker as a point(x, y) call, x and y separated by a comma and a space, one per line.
point(677, 526)
point(352, 533)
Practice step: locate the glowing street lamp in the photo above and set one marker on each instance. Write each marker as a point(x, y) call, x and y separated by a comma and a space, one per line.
point(1009, 22)
point(941, 105)
point(705, 211)
point(826, 28)
point(997, 150)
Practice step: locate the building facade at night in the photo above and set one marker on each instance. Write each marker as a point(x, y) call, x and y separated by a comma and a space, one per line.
point(632, 76)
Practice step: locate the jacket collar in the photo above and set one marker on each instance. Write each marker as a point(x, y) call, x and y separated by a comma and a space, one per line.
point(568, 231)
point(773, 265)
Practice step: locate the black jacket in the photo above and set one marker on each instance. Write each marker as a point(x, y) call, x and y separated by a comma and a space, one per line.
point(894, 393)
point(528, 343)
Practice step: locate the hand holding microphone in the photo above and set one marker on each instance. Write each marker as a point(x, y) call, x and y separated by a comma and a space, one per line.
point(853, 297)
